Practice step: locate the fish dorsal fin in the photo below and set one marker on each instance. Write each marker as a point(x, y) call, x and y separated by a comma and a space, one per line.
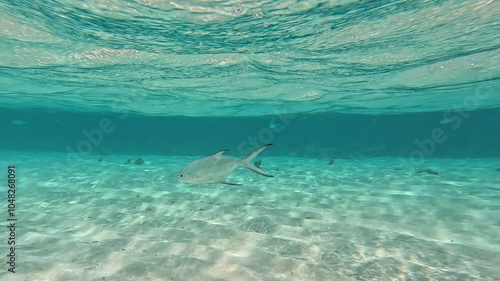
point(220, 152)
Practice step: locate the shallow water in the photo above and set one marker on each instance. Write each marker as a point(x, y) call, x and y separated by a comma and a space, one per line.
point(383, 115)
point(366, 219)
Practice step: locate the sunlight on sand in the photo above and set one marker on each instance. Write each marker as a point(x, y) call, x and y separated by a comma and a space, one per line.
point(359, 219)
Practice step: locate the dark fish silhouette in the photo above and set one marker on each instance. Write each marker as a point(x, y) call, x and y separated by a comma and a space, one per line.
point(428, 171)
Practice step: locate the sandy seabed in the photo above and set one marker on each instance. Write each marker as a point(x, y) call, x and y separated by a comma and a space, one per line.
point(358, 219)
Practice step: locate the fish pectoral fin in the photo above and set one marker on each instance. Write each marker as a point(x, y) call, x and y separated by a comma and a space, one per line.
point(229, 183)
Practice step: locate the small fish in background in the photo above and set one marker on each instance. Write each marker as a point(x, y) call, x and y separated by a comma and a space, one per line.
point(331, 162)
point(446, 121)
point(19, 122)
point(217, 167)
point(428, 171)
point(273, 124)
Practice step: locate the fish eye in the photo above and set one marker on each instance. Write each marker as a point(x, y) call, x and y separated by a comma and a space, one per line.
point(181, 175)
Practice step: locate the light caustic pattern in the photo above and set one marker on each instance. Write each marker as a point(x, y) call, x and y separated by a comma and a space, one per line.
point(369, 219)
point(241, 58)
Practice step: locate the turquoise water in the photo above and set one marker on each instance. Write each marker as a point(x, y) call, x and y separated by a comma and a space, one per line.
point(384, 118)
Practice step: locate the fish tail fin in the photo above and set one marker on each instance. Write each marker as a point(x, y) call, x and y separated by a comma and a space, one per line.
point(246, 161)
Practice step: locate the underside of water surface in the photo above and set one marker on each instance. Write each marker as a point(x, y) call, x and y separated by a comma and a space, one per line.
point(244, 58)
point(383, 115)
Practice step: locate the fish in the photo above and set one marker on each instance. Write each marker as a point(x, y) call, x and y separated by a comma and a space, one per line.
point(217, 167)
point(274, 124)
point(18, 122)
point(446, 121)
point(428, 171)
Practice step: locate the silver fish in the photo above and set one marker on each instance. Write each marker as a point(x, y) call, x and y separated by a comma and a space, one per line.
point(18, 122)
point(217, 167)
